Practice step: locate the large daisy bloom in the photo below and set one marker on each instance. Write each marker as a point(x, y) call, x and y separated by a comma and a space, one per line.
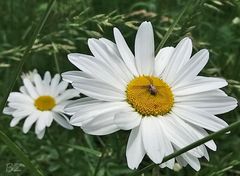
point(161, 98)
point(40, 101)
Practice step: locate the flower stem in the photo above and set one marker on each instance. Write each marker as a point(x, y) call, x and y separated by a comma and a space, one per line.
point(189, 147)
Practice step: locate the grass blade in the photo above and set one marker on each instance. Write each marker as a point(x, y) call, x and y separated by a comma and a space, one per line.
point(20, 154)
point(55, 51)
point(85, 149)
point(99, 163)
point(189, 147)
point(168, 33)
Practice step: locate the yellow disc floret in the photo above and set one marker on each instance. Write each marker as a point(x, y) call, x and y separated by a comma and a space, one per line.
point(149, 96)
point(45, 103)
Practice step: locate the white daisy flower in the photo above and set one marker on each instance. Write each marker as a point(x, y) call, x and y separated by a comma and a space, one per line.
point(159, 98)
point(40, 101)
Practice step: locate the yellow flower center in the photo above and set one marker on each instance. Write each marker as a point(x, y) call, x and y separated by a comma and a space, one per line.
point(149, 95)
point(44, 103)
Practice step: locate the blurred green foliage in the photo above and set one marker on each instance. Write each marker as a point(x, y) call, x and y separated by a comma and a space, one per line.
point(212, 24)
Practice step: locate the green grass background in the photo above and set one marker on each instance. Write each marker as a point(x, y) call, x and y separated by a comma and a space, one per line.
point(212, 24)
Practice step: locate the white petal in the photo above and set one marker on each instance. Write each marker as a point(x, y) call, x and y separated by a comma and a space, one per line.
point(217, 110)
point(211, 104)
point(30, 120)
point(192, 161)
point(21, 113)
point(76, 105)
point(187, 158)
point(54, 84)
point(99, 90)
point(62, 86)
point(8, 110)
point(206, 155)
point(60, 106)
point(25, 107)
point(168, 148)
point(152, 139)
point(67, 95)
point(191, 132)
point(144, 49)
point(179, 58)
point(177, 135)
point(100, 51)
point(41, 134)
point(88, 112)
point(127, 120)
point(72, 76)
point(39, 84)
point(62, 121)
point(203, 133)
point(40, 124)
point(181, 161)
point(30, 88)
point(16, 120)
point(55, 80)
point(47, 78)
point(20, 98)
point(200, 118)
point(23, 90)
point(125, 52)
point(101, 125)
point(112, 48)
point(135, 149)
point(96, 68)
point(191, 69)
point(200, 96)
point(162, 59)
point(49, 116)
point(201, 84)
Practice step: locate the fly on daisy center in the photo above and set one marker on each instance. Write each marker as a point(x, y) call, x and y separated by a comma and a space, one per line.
point(45, 103)
point(149, 96)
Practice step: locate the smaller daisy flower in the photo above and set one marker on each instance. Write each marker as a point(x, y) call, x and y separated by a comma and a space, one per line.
point(40, 101)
